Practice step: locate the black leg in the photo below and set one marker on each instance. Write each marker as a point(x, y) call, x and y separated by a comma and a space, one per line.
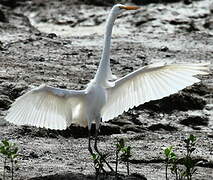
point(89, 143)
point(97, 150)
point(96, 142)
point(91, 152)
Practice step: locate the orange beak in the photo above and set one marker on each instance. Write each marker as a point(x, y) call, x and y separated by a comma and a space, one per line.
point(130, 7)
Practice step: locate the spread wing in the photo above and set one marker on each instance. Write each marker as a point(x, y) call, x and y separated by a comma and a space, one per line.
point(149, 83)
point(47, 107)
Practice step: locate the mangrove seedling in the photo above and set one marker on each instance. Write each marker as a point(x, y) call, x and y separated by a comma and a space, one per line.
point(188, 161)
point(9, 153)
point(171, 157)
point(125, 156)
point(98, 162)
point(184, 167)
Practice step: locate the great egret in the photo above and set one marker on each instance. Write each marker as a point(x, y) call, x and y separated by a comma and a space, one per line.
point(105, 97)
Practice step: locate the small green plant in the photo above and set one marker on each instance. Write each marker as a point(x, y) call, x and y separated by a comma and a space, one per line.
point(99, 162)
point(171, 157)
point(187, 161)
point(119, 146)
point(184, 167)
point(125, 154)
point(8, 151)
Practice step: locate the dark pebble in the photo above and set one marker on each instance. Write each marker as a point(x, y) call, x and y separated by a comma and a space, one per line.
point(51, 35)
point(164, 48)
point(195, 121)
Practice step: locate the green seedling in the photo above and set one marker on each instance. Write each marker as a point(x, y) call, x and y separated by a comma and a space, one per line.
point(187, 161)
point(98, 162)
point(171, 157)
point(125, 154)
point(184, 167)
point(8, 152)
point(119, 146)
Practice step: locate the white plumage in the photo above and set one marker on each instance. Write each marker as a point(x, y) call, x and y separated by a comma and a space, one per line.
point(103, 98)
point(47, 107)
point(56, 108)
point(149, 83)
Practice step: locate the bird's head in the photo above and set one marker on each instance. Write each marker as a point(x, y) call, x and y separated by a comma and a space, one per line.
point(119, 8)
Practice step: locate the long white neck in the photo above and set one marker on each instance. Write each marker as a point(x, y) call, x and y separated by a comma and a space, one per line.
point(103, 71)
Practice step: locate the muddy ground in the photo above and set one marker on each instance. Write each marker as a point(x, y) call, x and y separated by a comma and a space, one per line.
point(59, 43)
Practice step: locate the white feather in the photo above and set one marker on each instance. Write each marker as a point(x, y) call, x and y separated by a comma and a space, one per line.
point(56, 108)
point(149, 83)
point(47, 107)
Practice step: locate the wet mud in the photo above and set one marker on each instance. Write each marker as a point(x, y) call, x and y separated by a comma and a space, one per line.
point(59, 43)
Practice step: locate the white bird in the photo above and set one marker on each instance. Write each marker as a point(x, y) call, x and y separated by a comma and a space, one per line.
point(104, 98)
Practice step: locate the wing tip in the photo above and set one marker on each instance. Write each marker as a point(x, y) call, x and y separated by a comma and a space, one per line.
point(35, 125)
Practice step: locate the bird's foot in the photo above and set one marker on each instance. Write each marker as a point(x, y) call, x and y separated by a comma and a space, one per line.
point(98, 163)
point(103, 158)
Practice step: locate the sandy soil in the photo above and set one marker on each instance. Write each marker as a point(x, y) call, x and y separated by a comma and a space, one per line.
point(59, 43)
